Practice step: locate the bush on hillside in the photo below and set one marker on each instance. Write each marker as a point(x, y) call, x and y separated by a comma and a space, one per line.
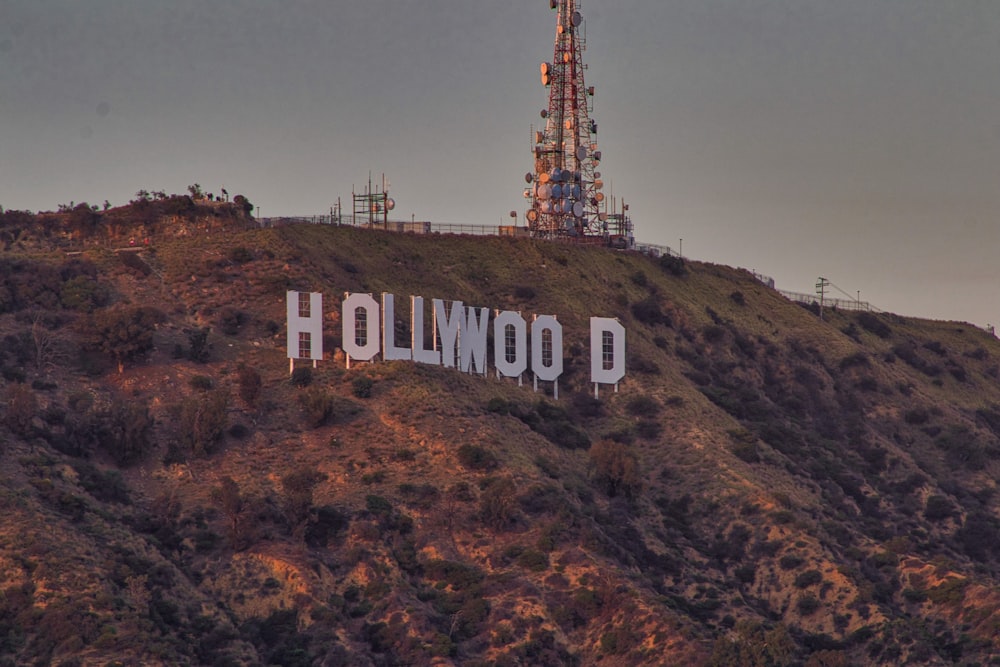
point(231, 320)
point(475, 457)
point(361, 386)
point(317, 405)
point(298, 487)
point(123, 332)
point(202, 421)
point(649, 311)
point(673, 265)
point(302, 376)
point(498, 503)
point(249, 382)
point(872, 323)
point(21, 407)
point(126, 431)
point(199, 348)
point(616, 468)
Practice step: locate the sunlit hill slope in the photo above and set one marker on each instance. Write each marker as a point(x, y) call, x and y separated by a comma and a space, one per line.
point(766, 488)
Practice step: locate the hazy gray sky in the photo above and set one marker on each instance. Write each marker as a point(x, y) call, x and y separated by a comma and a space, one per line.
point(854, 139)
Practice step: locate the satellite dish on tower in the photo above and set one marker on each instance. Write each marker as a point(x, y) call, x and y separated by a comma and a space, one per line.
point(581, 153)
point(576, 20)
point(528, 177)
point(390, 204)
point(544, 113)
point(531, 215)
point(553, 4)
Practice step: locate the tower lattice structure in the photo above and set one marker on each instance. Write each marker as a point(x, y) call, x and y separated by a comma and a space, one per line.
point(565, 192)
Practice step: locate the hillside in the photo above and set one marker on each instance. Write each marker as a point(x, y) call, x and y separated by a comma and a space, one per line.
point(766, 487)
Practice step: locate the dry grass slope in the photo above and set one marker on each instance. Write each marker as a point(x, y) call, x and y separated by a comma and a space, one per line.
point(766, 488)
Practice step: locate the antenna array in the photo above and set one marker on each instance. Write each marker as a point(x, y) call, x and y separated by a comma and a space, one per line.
point(565, 191)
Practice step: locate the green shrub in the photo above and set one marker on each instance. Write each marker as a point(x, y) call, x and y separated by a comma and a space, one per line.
point(673, 265)
point(790, 562)
point(648, 311)
point(249, 382)
point(938, 508)
point(317, 405)
point(200, 382)
point(361, 386)
point(874, 324)
point(302, 376)
point(533, 560)
point(21, 408)
point(203, 420)
point(123, 332)
point(807, 604)
point(642, 406)
point(240, 255)
point(231, 320)
point(498, 502)
point(808, 578)
point(475, 457)
point(199, 348)
point(615, 465)
point(377, 505)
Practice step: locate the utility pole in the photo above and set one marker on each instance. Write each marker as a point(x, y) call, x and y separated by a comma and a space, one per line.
point(821, 290)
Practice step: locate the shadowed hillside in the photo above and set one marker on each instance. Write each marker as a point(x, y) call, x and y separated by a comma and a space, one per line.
point(766, 488)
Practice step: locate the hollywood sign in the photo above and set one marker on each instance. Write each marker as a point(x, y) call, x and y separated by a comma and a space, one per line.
point(458, 340)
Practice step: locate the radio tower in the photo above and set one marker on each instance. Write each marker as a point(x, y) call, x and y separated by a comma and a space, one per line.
point(565, 191)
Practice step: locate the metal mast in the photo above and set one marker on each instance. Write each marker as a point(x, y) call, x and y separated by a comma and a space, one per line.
point(565, 191)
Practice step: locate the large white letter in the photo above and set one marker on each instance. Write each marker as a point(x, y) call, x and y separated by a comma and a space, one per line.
point(448, 329)
point(515, 346)
point(365, 346)
point(417, 334)
point(472, 345)
point(305, 325)
point(552, 371)
point(390, 352)
point(607, 350)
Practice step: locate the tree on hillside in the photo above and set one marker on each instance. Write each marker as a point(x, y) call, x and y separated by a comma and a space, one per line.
point(124, 332)
point(126, 431)
point(243, 203)
point(249, 382)
point(298, 487)
point(616, 466)
point(498, 502)
point(203, 419)
point(83, 220)
point(236, 507)
point(21, 407)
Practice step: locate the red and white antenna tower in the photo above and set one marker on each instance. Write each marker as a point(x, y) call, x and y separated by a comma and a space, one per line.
point(565, 192)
